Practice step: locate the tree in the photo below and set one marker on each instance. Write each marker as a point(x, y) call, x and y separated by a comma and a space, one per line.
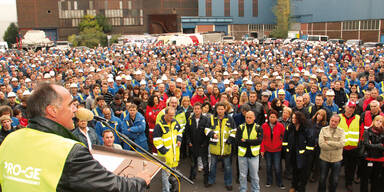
point(11, 34)
point(281, 11)
point(91, 37)
point(91, 33)
point(114, 39)
point(89, 21)
point(103, 22)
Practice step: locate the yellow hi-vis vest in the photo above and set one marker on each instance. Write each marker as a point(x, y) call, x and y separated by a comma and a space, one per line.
point(32, 160)
point(254, 149)
point(351, 132)
point(223, 130)
point(169, 141)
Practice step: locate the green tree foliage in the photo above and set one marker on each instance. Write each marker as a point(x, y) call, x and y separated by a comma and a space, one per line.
point(282, 12)
point(91, 37)
point(91, 33)
point(114, 39)
point(74, 40)
point(11, 34)
point(103, 22)
point(89, 21)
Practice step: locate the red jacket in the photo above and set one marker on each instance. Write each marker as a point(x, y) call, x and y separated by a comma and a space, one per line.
point(272, 143)
point(367, 123)
point(214, 100)
point(150, 116)
point(197, 98)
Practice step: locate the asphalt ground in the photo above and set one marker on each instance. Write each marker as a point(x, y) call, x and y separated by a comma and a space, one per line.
point(184, 167)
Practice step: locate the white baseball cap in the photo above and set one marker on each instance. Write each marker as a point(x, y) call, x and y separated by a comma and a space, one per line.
point(330, 93)
point(73, 85)
point(11, 94)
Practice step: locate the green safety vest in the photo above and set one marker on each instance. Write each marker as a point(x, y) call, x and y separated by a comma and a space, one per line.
point(169, 141)
point(254, 149)
point(32, 160)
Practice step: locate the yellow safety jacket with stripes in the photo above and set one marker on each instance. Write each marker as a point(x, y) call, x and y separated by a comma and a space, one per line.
point(180, 118)
point(225, 130)
point(165, 139)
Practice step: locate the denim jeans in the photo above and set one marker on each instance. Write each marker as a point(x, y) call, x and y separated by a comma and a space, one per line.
point(165, 181)
point(333, 178)
point(273, 158)
point(251, 163)
point(227, 170)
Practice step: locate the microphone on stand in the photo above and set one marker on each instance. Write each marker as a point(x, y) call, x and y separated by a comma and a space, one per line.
point(98, 118)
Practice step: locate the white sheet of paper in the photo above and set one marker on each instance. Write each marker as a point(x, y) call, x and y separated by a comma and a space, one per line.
point(110, 163)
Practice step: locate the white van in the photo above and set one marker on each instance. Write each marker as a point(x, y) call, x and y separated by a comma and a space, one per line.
point(3, 46)
point(317, 38)
point(228, 39)
point(62, 45)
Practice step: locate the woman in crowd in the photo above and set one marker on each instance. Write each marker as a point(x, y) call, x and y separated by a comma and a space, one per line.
point(355, 89)
point(298, 143)
point(215, 97)
point(235, 103)
point(319, 120)
point(127, 96)
point(153, 108)
point(273, 133)
point(178, 94)
point(144, 100)
point(277, 106)
point(207, 109)
point(243, 98)
point(286, 120)
point(136, 92)
point(186, 106)
point(373, 170)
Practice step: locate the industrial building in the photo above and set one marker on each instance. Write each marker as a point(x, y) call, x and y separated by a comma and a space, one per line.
point(345, 19)
point(233, 17)
point(341, 19)
point(60, 18)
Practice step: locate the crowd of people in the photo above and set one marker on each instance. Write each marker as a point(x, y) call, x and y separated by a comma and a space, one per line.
point(307, 108)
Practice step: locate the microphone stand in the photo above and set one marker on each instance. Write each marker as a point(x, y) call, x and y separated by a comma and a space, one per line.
point(136, 146)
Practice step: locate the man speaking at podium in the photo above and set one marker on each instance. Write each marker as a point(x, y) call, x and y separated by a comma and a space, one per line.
point(47, 157)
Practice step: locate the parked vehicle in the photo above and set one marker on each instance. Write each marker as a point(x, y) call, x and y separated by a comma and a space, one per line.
point(3, 46)
point(317, 38)
point(352, 42)
point(371, 45)
point(288, 40)
point(229, 39)
point(212, 37)
point(269, 41)
point(62, 45)
point(334, 41)
point(250, 39)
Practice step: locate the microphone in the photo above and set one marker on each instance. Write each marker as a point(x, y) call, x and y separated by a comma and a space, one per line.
point(98, 118)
